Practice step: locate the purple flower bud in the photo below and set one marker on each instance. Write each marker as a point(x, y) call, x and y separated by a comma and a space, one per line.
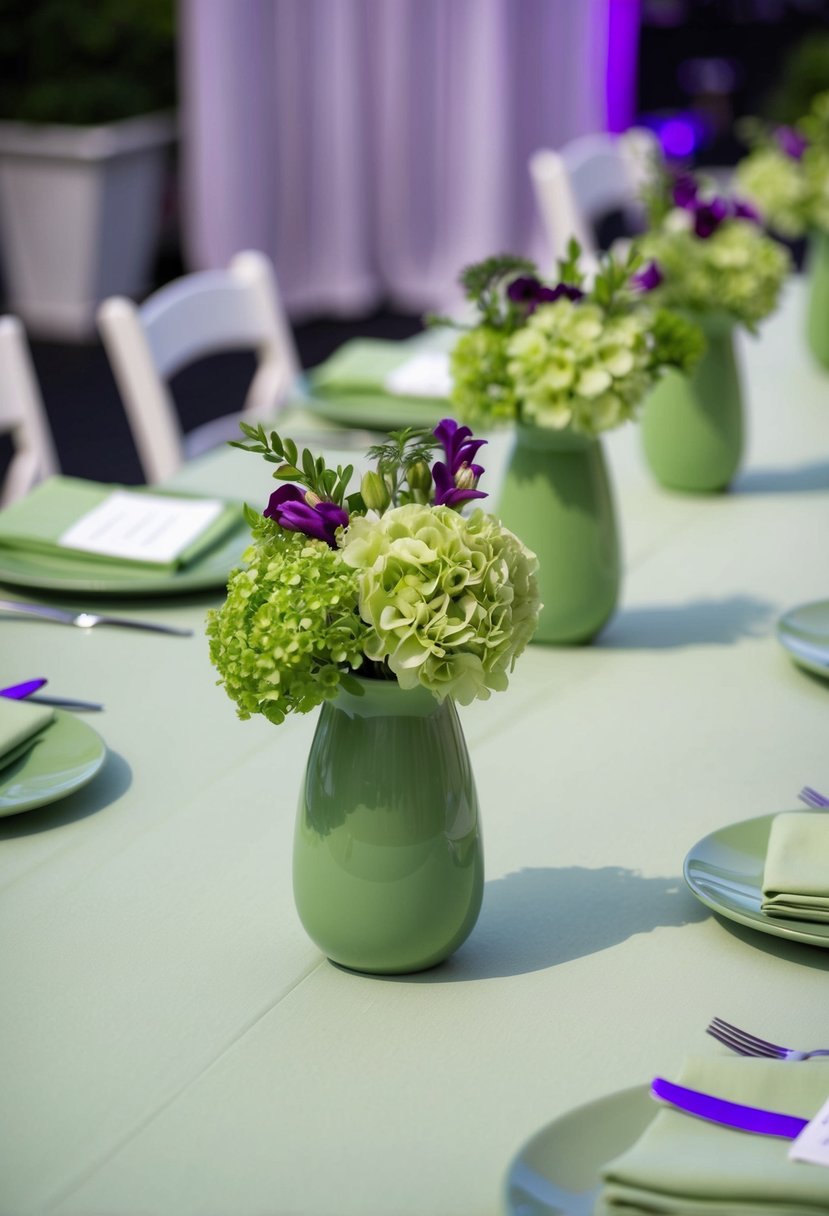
point(648, 278)
point(684, 191)
point(289, 506)
point(791, 142)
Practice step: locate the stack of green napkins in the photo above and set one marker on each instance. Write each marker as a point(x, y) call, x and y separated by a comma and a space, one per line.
point(685, 1165)
point(39, 523)
point(21, 726)
point(368, 368)
point(796, 874)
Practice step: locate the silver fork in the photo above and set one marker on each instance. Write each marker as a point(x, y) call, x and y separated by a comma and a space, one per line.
point(746, 1044)
point(812, 797)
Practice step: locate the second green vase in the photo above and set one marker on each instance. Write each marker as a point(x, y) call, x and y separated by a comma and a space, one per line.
point(692, 426)
point(556, 497)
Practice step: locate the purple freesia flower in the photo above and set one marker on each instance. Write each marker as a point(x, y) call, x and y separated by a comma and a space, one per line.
point(290, 507)
point(708, 216)
point(567, 290)
point(530, 292)
point(455, 477)
point(791, 142)
point(743, 210)
point(648, 278)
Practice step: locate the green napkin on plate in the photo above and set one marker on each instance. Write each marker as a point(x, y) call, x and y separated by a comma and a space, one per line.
point(407, 372)
point(36, 523)
point(20, 726)
point(685, 1165)
point(796, 873)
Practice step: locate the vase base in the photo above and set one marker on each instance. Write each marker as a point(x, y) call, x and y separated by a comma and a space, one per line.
point(415, 969)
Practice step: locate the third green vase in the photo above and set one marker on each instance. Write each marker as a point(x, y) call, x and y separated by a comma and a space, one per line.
point(817, 316)
point(556, 497)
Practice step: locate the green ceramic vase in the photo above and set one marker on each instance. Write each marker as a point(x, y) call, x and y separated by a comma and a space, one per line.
point(692, 426)
point(817, 315)
point(556, 497)
point(388, 862)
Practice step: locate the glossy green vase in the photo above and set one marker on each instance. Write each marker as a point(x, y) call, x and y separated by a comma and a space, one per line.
point(556, 497)
point(388, 863)
point(692, 426)
point(817, 314)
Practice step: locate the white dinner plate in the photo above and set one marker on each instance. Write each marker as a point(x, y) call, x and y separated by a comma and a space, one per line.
point(65, 757)
point(558, 1171)
point(725, 871)
point(804, 632)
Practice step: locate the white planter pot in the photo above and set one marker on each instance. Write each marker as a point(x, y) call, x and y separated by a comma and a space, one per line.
point(80, 211)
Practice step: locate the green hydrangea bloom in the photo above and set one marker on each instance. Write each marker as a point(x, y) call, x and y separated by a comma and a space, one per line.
point(574, 366)
point(289, 628)
point(451, 601)
point(482, 391)
point(777, 186)
point(737, 270)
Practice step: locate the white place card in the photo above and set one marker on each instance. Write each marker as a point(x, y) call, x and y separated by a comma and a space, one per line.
point(813, 1142)
point(424, 375)
point(141, 527)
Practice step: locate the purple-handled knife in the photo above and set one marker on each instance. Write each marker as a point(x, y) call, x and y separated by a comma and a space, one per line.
point(730, 1114)
point(16, 692)
point(25, 691)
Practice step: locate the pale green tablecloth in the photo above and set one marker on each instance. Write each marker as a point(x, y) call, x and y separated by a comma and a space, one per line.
point(685, 1165)
point(20, 724)
point(35, 523)
point(796, 874)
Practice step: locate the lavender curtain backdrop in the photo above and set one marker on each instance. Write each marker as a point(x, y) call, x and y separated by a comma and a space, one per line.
point(373, 147)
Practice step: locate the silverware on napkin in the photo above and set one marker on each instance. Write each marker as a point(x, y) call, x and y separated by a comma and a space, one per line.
point(27, 690)
point(728, 1114)
point(86, 620)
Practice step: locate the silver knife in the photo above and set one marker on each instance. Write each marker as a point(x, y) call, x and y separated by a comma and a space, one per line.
point(86, 620)
point(729, 1114)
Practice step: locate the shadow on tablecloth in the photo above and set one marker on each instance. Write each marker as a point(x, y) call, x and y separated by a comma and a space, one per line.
point(537, 918)
point(693, 623)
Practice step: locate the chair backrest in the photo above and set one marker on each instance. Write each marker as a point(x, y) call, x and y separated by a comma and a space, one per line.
point(199, 314)
point(22, 416)
point(588, 178)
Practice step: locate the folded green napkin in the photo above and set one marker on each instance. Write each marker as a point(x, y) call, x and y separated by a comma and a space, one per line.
point(796, 874)
point(20, 725)
point(36, 523)
point(682, 1164)
point(362, 367)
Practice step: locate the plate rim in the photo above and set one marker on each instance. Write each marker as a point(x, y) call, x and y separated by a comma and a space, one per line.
point(789, 644)
point(758, 921)
point(32, 804)
point(628, 1096)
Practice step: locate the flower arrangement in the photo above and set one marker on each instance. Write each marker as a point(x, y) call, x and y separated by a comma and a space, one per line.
point(564, 354)
point(786, 174)
point(390, 580)
point(712, 251)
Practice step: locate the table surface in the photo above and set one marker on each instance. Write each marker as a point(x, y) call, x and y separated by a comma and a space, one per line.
point(172, 1043)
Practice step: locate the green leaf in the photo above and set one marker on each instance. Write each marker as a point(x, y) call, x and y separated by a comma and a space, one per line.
point(290, 450)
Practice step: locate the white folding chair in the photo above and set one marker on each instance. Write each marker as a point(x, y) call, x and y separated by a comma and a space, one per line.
point(199, 314)
point(590, 177)
point(22, 416)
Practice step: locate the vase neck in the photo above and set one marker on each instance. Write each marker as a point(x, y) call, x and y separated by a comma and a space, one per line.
point(566, 440)
point(385, 698)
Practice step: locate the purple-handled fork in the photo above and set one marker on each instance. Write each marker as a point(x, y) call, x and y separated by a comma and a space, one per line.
point(746, 1044)
point(813, 798)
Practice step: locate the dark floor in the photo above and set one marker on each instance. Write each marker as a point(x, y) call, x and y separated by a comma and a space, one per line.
point(85, 411)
